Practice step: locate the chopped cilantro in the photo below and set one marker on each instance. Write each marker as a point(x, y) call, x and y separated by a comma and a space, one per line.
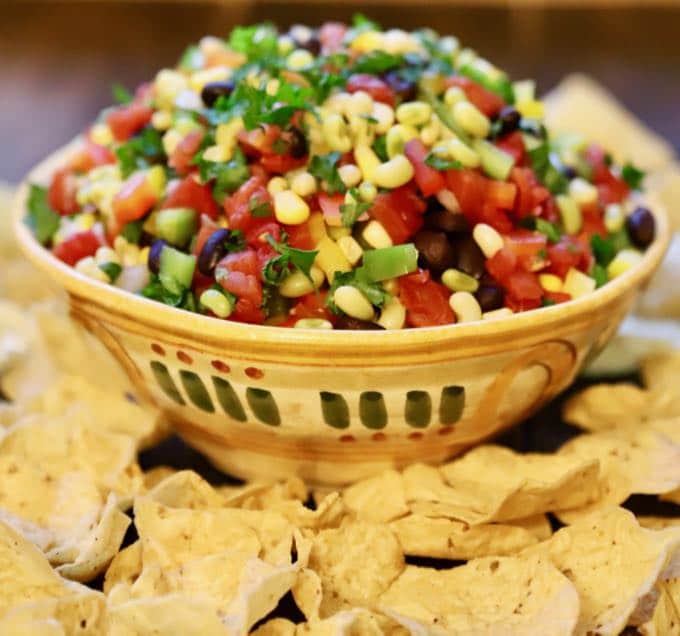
point(112, 270)
point(380, 147)
point(156, 291)
point(439, 163)
point(324, 167)
point(140, 151)
point(376, 62)
point(551, 230)
point(360, 21)
point(351, 212)
point(369, 118)
point(41, 218)
point(132, 231)
point(632, 176)
point(547, 302)
point(546, 166)
point(280, 265)
point(121, 94)
point(358, 278)
point(255, 42)
point(191, 59)
point(228, 176)
point(604, 249)
point(599, 273)
point(259, 209)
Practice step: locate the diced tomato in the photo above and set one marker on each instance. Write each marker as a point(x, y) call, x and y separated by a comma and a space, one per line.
point(247, 311)
point(264, 252)
point(134, 199)
point(374, 86)
point(189, 193)
point(185, 151)
point(400, 211)
point(502, 264)
point(521, 304)
point(61, 195)
point(300, 237)
point(77, 246)
point(144, 93)
point(428, 180)
point(125, 121)
point(500, 194)
point(260, 144)
point(279, 164)
point(259, 229)
point(331, 36)
point(206, 230)
point(611, 188)
point(426, 302)
point(564, 255)
point(239, 273)
point(530, 193)
point(469, 187)
point(529, 248)
point(330, 206)
point(91, 156)
point(558, 297)
point(486, 101)
point(201, 282)
point(312, 306)
point(523, 286)
point(513, 144)
point(237, 206)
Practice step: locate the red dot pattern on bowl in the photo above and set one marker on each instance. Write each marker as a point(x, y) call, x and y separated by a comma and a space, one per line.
point(220, 366)
point(156, 348)
point(416, 435)
point(378, 437)
point(445, 430)
point(184, 357)
point(347, 438)
point(254, 373)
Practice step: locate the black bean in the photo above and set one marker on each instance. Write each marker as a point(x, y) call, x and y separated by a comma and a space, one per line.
point(641, 227)
point(311, 44)
point(213, 251)
point(297, 141)
point(213, 90)
point(354, 324)
point(404, 89)
point(154, 260)
point(469, 258)
point(490, 297)
point(509, 119)
point(434, 250)
point(446, 221)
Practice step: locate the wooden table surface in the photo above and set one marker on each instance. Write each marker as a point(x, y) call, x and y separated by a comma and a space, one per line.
point(58, 59)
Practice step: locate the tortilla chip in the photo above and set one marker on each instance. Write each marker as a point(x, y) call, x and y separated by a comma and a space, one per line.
point(666, 618)
point(308, 593)
point(356, 563)
point(631, 462)
point(580, 104)
point(612, 562)
point(328, 514)
point(660, 371)
point(186, 489)
point(658, 523)
point(156, 475)
point(125, 567)
point(353, 622)
point(493, 595)
point(451, 539)
point(538, 525)
point(386, 488)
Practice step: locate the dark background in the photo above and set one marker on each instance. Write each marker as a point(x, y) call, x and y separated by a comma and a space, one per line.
point(58, 59)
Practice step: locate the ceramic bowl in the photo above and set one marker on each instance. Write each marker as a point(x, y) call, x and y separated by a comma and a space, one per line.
point(332, 407)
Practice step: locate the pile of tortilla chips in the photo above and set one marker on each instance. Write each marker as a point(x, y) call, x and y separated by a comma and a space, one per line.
point(493, 543)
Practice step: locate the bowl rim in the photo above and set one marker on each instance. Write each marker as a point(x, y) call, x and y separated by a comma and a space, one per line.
point(191, 326)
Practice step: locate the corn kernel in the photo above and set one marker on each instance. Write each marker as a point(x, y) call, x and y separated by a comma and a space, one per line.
point(368, 192)
point(85, 221)
point(188, 100)
point(171, 140)
point(414, 113)
point(330, 258)
point(488, 239)
point(396, 139)
point(352, 302)
point(161, 120)
point(303, 184)
point(622, 262)
point(313, 323)
point(277, 184)
point(465, 306)
point(199, 79)
point(463, 153)
point(155, 177)
point(299, 59)
point(449, 201)
point(614, 218)
point(384, 116)
point(88, 267)
point(471, 119)
point(531, 109)
point(167, 85)
point(105, 255)
point(290, 208)
point(393, 173)
point(376, 235)
point(393, 315)
point(430, 133)
point(391, 286)
point(101, 134)
point(582, 192)
point(285, 44)
point(217, 302)
point(367, 41)
point(578, 284)
point(396, 41)
point(367, 161)
point(453, 95)
point(359, 103)
point(495, 314)
point(217, 154)
point(350, 175)
point(350, 248)
point(299, 284)
point(550, 282)
point(458, 281)
point(336, 232)
point(225, 134)
point(570, 214)
point(336, 133)
point(272, 87)
point(143, 257)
